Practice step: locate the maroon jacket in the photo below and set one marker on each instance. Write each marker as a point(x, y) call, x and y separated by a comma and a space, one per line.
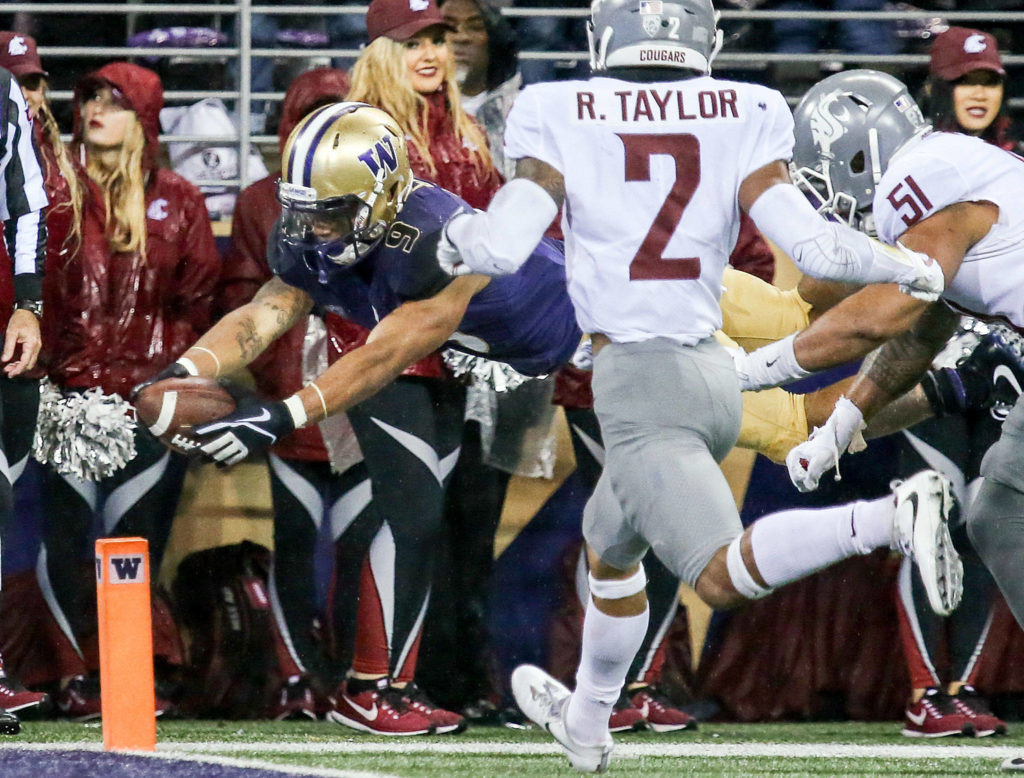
point(455, 170)
point(114, 319)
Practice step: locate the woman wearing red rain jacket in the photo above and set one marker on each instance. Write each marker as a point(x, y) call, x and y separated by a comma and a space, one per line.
point(133, 290)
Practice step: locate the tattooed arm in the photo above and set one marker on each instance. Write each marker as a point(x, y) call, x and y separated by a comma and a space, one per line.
point(898, 365)
point(242, 335)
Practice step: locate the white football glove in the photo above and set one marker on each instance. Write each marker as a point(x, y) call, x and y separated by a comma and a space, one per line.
point(810, 460)
point(583, 359)
point(924, 280)
point(448, 257)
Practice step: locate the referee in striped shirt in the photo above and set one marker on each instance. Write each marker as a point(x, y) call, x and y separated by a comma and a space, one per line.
point(22, 210)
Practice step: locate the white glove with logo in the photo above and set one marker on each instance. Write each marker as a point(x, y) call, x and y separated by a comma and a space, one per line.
point(810, 460)
point(924, 279)
point(583, 359)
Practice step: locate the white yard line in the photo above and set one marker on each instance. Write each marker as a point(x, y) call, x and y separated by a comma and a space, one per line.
point(622, 750)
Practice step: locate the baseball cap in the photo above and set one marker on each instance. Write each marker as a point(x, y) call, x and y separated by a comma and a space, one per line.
point(401, 19)
point(959, 50)
point(18, 54)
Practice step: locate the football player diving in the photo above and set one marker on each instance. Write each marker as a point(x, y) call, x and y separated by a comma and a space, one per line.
point(358, 234)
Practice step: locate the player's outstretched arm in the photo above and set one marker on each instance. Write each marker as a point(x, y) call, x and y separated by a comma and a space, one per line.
point(404, 336)
point(497, 241)
point(245, 333)
point(240, 336)
point(831, 250)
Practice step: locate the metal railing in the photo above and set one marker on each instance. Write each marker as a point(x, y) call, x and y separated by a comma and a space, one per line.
point(239, 17)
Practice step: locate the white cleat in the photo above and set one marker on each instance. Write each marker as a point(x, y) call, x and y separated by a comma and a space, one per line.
point(921, 531)
point(543, 700)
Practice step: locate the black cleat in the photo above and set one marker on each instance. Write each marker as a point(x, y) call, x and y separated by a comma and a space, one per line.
point(9, 723)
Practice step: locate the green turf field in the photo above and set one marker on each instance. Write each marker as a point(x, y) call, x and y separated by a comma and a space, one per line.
point(325, 749)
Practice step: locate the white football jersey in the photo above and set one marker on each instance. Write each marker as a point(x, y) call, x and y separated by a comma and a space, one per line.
point(945, 168)
point(652, 172)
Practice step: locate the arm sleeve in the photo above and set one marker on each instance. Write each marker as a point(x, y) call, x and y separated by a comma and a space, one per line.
point(24, 196)
point(499, 240)
point(824, 249)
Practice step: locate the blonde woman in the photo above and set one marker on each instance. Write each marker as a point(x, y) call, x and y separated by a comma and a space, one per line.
point(407, 69)
point(131, 293)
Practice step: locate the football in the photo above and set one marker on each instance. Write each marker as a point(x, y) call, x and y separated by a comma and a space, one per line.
point(169, 409)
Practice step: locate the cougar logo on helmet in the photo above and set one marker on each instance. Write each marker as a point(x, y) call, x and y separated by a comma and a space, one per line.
point(344, 180)
point(825, 125)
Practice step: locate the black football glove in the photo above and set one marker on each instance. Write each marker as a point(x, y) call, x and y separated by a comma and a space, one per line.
point(990, 376)
point(173, 370)
point(253, 428)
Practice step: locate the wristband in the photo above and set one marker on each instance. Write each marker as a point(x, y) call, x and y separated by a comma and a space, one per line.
point(189, 365)
point(297, 411)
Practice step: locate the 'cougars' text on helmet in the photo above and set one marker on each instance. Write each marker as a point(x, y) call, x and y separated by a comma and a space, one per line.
point(653, 33)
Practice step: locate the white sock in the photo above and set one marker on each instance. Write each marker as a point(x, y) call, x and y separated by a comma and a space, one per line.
point(792, 544)
point(609, 646)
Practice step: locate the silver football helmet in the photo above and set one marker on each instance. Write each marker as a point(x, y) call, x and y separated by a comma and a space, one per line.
point(662, 33)
point(848, 126)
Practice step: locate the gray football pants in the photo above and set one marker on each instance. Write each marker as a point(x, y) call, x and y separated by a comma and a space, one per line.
point(995, 520)
point(669, 414)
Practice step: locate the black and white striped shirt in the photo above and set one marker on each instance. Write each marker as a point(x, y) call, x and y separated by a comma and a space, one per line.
point(22, 196)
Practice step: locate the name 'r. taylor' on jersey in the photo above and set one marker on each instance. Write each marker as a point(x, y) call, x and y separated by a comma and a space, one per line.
point(651, 104)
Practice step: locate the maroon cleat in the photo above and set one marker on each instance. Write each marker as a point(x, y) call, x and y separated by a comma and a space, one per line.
point(936, 715)
point(444, 721)
point(975, 707)
point(661, 714)
point(15, 698)
point(379, 711)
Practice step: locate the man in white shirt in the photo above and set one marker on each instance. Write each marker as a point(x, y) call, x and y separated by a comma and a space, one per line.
point(653, 160)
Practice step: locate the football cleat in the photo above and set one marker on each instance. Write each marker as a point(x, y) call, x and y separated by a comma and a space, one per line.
point(294, 701)
point(544, 701)
point(9, 723)
point(660, 713)
point(79, 698)
point(379, 711)
point(921, 532)
point(444, 721)
point(15, 698)
point(975, 708)
point(936, 715)
point(625, 717)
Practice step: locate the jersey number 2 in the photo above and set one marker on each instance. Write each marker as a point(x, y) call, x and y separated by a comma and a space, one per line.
point(649, 263)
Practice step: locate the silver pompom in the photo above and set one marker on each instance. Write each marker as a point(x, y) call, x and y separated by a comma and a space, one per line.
point(494, 375)
point(89, 435)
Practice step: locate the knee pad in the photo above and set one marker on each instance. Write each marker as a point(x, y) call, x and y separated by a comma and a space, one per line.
point(741, 578)
point(616, 589)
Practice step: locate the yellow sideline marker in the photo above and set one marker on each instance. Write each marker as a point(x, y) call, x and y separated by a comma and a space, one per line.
point(127, 698)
